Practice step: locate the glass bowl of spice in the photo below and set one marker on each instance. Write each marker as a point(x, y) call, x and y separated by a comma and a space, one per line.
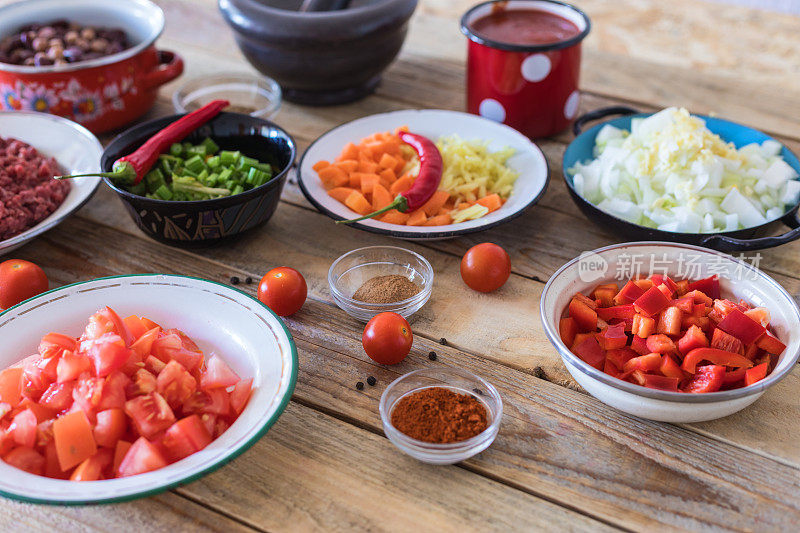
point(248, 94)
point(377, 279)
point(441, 415)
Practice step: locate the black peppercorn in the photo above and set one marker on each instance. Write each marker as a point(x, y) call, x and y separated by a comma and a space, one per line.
point(360, 385)
point(432, 356)
point(234, 280)
point(248, 280)
point(443, 341)
point(371, 381)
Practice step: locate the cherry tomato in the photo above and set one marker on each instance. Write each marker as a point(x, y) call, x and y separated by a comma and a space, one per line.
point(20, 280)
point(283, 290)
point(387, 338)
point(485, 267)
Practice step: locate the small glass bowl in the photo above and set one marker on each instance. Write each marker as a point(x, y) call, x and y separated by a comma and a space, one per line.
point(248, 94)
point(354, 268)
point(459, 381)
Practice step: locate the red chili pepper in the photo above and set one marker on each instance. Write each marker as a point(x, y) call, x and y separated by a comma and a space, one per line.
point(427, 182)
point(130, 169)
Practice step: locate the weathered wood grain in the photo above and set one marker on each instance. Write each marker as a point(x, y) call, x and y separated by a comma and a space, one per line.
point(554, 442)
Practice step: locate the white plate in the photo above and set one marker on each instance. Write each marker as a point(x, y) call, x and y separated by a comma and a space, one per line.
point(73, 146)
point(528, 160)
point(244, 332)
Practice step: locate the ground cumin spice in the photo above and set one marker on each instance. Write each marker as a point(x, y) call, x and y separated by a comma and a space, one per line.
point(386, 289)
point(436, 414)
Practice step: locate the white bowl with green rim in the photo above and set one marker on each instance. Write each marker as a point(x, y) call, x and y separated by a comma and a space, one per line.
point(236, 326)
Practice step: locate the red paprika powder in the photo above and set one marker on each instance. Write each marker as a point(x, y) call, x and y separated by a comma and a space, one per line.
point(440, 415)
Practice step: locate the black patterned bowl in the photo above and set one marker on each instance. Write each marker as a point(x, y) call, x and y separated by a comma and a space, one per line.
point(209, 222)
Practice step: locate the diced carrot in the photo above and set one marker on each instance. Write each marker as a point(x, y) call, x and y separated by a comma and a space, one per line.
point(439, 220)
point(332, 176)
point(376, 148)
point(381, 197)
point(417, 218)
point(395, 217)
point(435, 202)
point(319, 165)
point(358, 203)
point(367, 167)
point(368, 182)
point(464, 205)
point(350, 151)
point(388, 176)
point(401, 129)
point(492, 202)
point(348, 165)
point(340, 193)
point(387, 161)
point(401, 185)
point(401, 164)
point(444, 210)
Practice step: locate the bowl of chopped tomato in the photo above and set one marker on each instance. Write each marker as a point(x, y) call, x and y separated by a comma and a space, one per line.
point(671, 332)
point(136, 384)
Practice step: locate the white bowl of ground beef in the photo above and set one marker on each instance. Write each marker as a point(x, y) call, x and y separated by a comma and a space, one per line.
point(33, 148)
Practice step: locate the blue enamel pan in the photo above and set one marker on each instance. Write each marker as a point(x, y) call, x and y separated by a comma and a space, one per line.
point(743, 240)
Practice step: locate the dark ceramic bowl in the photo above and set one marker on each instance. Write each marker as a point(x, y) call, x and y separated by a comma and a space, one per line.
point(209, 222)
point(741, 240)
point(324, 57)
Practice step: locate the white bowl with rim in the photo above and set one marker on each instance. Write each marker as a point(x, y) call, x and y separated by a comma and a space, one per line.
point(221, 319)
point(76, 150)
point(738, 280)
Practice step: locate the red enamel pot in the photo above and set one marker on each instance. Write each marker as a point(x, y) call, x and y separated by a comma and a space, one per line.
point(532, 88)
point(102, 94)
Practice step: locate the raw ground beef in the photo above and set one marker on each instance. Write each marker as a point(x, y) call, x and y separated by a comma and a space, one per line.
point(28, 192)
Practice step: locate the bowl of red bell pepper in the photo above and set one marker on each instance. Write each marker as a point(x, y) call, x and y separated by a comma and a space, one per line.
point(671, 332)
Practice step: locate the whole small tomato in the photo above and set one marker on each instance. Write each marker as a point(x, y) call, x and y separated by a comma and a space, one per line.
point(485, 267)
point(20, 280)
point(283, 290)
point(387, 338)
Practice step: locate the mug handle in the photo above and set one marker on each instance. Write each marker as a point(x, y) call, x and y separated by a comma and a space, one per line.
point(729, 244)
point(603, 112)
point(169, 67)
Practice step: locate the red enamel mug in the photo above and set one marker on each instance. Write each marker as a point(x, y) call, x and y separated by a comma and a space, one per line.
point(531, 87)
point(104, 93)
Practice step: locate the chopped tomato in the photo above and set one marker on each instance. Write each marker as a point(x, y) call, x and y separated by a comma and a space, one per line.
point(11, 386)
point(135, 326)
point(706, 379)
point(120, 450)
point(175, 384)
point(149, 414)
point(144, 344)
point(74, 439)
point(108, 353)
point(217, 374)
point(119, 326)
point(52, 468)
point(185, 437)
point(111, 426)
point(92, 468)
point(715, 356)
point(54, 344)
point(72, 365)
point(143, 456)
point(23, 428)
point(26, 459)
point(240, 395)
point(143, 382)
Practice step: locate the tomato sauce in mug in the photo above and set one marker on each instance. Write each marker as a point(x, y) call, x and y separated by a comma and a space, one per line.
point(525, 27)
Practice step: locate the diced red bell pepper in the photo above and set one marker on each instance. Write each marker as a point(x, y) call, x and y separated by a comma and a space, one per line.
point(651, 302)
point(760, 315)
point(622, 312)
point(620, 356)
point(669, 323)
point(658, 279)
point(585, 299)
point(666, 291)
point(708, 286)
point(644, 284)
point(629, 293)
point(742, 327)
point(636, 376)
point(700, 298)
point(639, 345)
point(751, 351)
point(708, 378)
point(693, 338)
point(605, 286)
point(610, 369)
point(646, 363)
point(652, 381)
point(585, 317)
point(726, 342)
point(770, 344)
point(567, 328)
point(589, 350)
point(715, 356)
point(702, 322)
point(686, 305)
point(613, 337)
point(755, 374)
point(605, 297)
point(734, 376)
point(720, 310)
point(643, 326)
point(670, 368)
point(660, 344)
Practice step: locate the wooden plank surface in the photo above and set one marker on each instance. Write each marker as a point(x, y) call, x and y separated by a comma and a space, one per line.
point(562, 459)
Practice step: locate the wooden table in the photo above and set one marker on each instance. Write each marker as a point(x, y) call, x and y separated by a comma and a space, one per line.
point(562, 459)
